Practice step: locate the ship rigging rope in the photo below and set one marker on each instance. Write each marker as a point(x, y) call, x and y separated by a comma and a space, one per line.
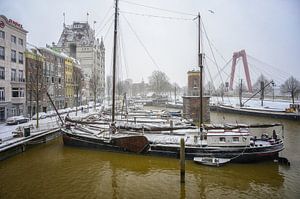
point(109, 28)
point(214, 58)
point(161, 9)
point(142, 44)
point(209, 43)
point(110, 19)
point(223, 68)
point(122, 51)
point(157, 16)
point(104, 22)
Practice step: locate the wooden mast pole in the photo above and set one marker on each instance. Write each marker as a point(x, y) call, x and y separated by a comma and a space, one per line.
point(201, 71)
point(114, 62)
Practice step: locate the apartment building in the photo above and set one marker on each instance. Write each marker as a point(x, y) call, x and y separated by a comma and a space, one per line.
point(12, 68)
point(79, 41)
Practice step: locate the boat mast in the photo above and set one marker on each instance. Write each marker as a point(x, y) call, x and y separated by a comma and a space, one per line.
point(114, 62)
point(201, 70)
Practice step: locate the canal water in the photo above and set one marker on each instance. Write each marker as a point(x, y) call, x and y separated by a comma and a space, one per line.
point(54, 171)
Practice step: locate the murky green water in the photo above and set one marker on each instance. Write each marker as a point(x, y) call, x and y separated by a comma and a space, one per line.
point(54, 171)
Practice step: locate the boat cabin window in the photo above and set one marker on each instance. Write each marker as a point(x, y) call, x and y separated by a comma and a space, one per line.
point(222, 139)
point(235, 139)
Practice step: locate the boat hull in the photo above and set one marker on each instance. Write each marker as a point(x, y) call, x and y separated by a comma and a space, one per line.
point(133, 144)
point(236, 154)
point(140, 144)
point(254, 112)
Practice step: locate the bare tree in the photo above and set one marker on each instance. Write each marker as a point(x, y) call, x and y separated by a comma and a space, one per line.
point(159, 82)
point(94, 86)
point(109, 86)
point(124, 87)
point(221, 91)
point(121, 88)
point(238, 89)
point(36, 82)
point(291, 86)
point(210, 88)
point(257, 84)
point(78, 83)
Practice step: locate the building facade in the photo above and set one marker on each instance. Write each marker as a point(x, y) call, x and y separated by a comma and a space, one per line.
point(192, 102)
point(54, 74)
point(78, 41)
point(36, 86)
point(69, 83)
point(12, 68)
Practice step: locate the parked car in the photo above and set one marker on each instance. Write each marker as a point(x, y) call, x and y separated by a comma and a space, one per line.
point(42, 115)
point(16, 120)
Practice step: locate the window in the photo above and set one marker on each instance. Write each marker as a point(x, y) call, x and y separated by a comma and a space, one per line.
point(22, 92)
point(2, 52)
point(20, 58)
point(15, 92)
point(2, 72)
point(52, 80)
point(13, 39)
point(222, 139)
point(59, 80)
point(20, 41)
point(13, 74)
point(13, 56)
point(235, 139)
point(21, 76)
point(2, 94)
point(18, 92)
point(2, 34)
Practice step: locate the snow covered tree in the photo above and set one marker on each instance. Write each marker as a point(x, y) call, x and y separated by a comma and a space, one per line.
point(257, 84)
point(159, 82)
point(291, 86)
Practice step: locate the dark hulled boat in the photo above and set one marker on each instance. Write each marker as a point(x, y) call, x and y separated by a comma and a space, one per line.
point(119, 142)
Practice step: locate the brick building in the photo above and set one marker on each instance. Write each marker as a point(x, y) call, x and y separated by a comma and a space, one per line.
point(192, 102)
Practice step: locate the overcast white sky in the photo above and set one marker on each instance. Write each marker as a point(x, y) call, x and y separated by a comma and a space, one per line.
point(268, 30)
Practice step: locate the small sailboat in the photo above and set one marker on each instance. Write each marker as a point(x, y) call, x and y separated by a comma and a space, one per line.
point(211, 161)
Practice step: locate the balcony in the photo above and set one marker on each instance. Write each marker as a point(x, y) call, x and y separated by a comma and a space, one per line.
point(18, 100)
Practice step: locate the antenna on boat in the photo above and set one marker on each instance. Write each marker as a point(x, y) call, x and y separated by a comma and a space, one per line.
point(114, 62)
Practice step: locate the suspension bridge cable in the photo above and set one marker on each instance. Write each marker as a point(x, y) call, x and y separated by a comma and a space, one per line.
point(143, 45)
point(161, 9)
point(268, 73)
point(278, 77)
point(264, 63)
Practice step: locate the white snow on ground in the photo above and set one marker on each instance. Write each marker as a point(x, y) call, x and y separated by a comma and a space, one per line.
point(268, 104)
point(6, 131)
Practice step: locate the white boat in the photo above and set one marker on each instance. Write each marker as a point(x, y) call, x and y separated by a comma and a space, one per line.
point(211, 161)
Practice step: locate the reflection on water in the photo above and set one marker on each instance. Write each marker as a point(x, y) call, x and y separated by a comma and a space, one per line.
point(54, 171)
